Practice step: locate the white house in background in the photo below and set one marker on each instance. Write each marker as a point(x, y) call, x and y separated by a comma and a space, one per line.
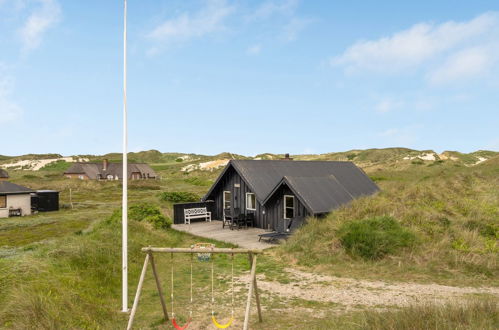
point(15, 200)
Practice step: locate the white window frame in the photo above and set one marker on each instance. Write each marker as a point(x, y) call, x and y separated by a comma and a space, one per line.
point(254, 206)
point(285, 207)
point(6, 202)
point(224, 200)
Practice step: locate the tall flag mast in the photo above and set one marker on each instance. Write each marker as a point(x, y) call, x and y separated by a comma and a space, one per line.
point(125, 179)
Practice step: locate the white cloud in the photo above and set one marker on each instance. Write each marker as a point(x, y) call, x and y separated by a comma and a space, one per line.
point(45, 16)
point(9, 110)
point(294, 27)
point(465, 64)
point(388, 105)
point(270, 8)
point(207, 20)
point(254, 50)
point(420, 43)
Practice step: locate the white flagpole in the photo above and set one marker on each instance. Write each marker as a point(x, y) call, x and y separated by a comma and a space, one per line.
point(125, 179)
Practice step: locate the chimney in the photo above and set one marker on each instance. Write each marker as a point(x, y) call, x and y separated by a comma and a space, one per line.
point(105, 164)
point(286, 157)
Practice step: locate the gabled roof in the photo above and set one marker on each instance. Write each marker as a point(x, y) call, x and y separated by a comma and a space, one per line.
point(3, 174)
point(12, 188)
point(319, 194)
point(321, 185)
point(96, 170)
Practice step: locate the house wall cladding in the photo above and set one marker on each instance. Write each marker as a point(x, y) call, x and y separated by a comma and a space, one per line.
point(21, 201)
point(275, 208)
point(235, 184)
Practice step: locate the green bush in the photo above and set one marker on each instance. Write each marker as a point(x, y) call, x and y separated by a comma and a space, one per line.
point(179, 197)
point(196, 181)
point(144, 212)
point(373, 238)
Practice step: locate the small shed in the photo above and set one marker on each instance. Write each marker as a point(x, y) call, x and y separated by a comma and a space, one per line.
point(15, 200)
point(45, 200)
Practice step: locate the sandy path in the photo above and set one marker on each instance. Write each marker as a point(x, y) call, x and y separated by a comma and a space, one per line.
point(350, 292)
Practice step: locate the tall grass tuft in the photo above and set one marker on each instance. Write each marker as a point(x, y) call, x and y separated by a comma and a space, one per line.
point(374, 238)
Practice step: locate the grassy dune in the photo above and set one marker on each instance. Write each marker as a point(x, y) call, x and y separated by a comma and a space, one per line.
point(453, 211)
point(62, 270)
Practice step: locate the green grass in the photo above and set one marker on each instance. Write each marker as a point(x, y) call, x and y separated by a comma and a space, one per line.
point(62, 269)
point(452, 210)
point(374, 238)
point(473, 314)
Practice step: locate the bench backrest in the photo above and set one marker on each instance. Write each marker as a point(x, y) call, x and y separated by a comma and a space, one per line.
point(195, 211)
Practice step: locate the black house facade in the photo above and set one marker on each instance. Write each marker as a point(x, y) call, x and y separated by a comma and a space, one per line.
point(279, 190)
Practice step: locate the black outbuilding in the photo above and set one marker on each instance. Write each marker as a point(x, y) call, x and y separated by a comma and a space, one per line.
point(45, 201)
point(278, 190)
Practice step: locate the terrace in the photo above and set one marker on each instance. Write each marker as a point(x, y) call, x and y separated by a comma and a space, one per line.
point(245, 238)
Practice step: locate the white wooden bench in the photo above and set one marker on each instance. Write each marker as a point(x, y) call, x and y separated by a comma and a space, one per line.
point(196, 213)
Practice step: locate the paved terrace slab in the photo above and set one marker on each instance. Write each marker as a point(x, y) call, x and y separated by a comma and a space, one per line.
point(245, 238)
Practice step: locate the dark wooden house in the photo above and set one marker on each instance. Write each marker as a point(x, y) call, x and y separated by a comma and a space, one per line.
point(278, 190)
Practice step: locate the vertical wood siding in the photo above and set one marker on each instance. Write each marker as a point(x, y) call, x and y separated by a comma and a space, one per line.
point(274, 209)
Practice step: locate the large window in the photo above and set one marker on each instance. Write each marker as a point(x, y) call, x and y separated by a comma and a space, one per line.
point(227, 199)
point(3, 202)
point(250, 202)
point(289, 207)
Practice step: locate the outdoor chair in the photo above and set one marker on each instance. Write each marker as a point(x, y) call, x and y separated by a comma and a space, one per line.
point(227, 218)
point(249, 220)
point(283, 231)
point(232, 218)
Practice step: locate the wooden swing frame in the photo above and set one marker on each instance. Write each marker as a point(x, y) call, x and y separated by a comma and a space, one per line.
point(252, 254)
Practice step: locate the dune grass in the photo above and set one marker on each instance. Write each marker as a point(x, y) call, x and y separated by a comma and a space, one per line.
point(62, 270)
point(452, 210)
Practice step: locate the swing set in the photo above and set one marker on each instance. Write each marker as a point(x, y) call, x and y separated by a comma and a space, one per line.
point(204, 254)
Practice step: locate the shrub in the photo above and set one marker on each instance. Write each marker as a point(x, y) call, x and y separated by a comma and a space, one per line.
point(143, 212)
point(373, 238)
point(196, 181)
point(30, 176)
point(179, 197)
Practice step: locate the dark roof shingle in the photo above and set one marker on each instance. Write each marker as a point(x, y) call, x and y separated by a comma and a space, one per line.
point(322, 185)
point(12, 188)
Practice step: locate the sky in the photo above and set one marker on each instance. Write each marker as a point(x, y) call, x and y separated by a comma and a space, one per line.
point(248, 76)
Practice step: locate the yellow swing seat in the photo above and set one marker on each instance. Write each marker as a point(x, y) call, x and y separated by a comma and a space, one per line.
point(221, 326)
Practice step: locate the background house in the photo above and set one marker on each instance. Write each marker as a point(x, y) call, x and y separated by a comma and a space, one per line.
point(278, 190)
point(109, 171)
point(14, 199)
point(3, 175)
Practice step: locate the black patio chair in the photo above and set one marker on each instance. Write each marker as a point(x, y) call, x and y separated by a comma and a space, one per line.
point(227, 218)
point(249, 220)
point(236, 218)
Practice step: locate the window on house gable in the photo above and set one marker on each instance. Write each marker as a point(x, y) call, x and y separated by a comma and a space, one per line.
point(289, 207)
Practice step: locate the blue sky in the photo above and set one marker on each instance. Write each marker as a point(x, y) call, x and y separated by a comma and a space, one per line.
point(249, 76)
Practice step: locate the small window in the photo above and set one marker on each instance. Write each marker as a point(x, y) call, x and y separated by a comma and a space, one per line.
point(227, 199)
point(289, 207)
point(3, 202)
point(250, 201)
